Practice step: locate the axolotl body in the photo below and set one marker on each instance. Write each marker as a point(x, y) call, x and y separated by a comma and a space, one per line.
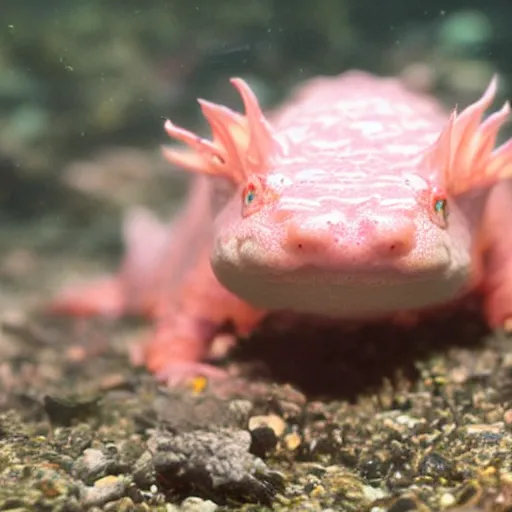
point(358, 199)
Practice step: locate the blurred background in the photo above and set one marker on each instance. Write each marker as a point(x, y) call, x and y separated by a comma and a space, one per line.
point(86, 85)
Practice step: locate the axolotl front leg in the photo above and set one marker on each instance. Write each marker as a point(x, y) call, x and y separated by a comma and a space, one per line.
point(186, 327)
point(497, 229)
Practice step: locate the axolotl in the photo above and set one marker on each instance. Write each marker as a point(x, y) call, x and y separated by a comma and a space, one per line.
point(358, 199)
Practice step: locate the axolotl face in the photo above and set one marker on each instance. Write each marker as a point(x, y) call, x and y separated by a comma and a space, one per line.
point(342, 243)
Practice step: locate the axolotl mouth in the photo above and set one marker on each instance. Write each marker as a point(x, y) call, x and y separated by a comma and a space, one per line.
point(311, 289)
point(317, 291)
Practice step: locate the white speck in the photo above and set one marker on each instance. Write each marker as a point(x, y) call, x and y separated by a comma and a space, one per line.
point(298, 133)
point(407, 421)
point(369, 127)
point(447, 500)
point(402, 149)
point(278, 179)
point(330, 143)
point(299, 203)
point(310, 174)
point(373, 493)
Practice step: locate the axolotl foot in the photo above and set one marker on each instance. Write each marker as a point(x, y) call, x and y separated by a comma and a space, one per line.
point(175, 353)
point(181, 372)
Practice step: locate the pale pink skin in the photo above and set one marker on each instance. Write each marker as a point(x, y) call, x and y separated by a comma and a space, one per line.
point(330, 211)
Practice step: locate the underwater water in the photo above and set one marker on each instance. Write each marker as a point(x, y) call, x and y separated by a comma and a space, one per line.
point(85, 89)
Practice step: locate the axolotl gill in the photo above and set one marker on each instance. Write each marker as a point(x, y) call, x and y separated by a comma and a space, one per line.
point(358, 199)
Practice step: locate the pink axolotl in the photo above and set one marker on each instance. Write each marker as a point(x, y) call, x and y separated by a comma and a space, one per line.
point(359, 199)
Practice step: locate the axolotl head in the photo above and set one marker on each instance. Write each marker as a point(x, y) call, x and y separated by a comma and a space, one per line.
point(312, 231)
point(312, 242)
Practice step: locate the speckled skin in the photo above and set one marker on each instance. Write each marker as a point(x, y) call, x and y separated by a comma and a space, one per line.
point(358, 200)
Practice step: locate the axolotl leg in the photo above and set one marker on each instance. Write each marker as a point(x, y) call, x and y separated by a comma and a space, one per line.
point(130, 290)
point(498, 261)
point(186, 326)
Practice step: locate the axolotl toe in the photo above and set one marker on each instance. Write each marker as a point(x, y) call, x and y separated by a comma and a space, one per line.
point(358, 199)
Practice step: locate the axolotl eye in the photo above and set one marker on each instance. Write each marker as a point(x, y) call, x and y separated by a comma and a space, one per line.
point(439, 208)
point(254, 196)
point(249, 194)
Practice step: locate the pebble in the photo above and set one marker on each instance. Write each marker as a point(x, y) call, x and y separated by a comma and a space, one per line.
point(276, 423)
point(447, 500)
point(90, 466)
point(143, 471)
point(194, 504)
point(108, 488)
point(292, 441)
point(485, 430)
point(373, 493)
point(241, 408)
point(218, 460)
point(123, 505)
point(433, 464)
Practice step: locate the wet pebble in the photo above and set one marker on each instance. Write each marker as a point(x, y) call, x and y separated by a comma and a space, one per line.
point(65, 411)
point(144, 471)
point(435, 465)
point(485, 432)
point(214, 463)
point(265, 433)
point(122, 505)
point(194, 504)
point(272, 421)
point(91, 466)
point(106, 489)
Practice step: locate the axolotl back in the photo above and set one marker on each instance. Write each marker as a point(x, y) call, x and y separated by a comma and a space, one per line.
point(357, 199)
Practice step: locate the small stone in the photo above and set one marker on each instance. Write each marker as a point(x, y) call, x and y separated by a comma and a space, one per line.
point(194, 504)
point(264, 441)
point(123, 505)
point(408, 421)
point(90, 466)
point(240, 408)
point(318, 491)
point(106, 481)
point(490, 433)
point(276, 423)
point(407, 504)
point(435, 466)
point(447, 500)
point(109, 488)
point(373, 493)
point(373, 467)
point(64, 412)
point(459, 375)
point(143, 472)
point(292, 441)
